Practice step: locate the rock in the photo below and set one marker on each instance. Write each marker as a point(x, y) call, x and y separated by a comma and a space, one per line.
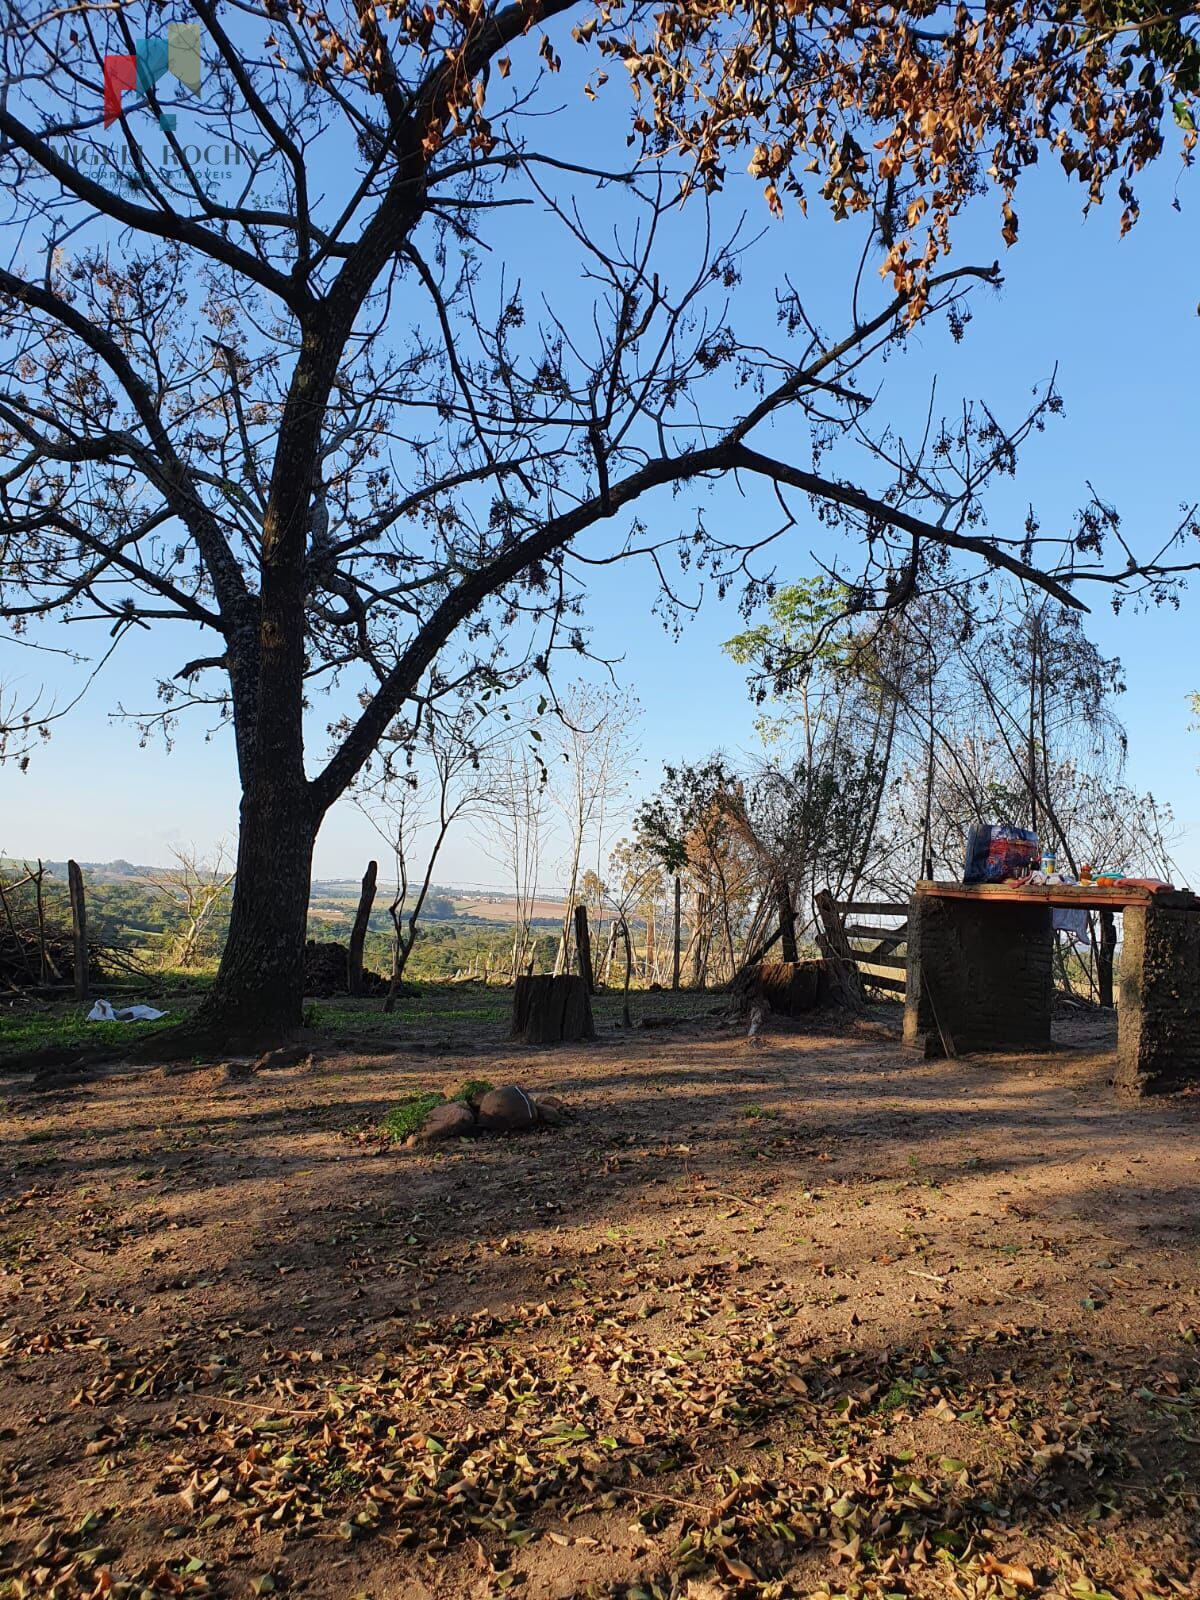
point(508, 1110)
point(552, 1111)
point(452, 1121)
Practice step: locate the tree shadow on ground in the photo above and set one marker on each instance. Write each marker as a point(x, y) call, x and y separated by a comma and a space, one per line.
point(776, 1317)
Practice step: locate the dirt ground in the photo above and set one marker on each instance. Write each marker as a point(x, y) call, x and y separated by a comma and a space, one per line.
point(799, 1315)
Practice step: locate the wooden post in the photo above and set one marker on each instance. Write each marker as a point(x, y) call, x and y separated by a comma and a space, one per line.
point(78, 929)
point(583, 948)
point(1104, 958)
point(675, 967)
point(834, 945)
point(358, 934)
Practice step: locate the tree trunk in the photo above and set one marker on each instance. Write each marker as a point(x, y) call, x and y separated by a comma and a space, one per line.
point(626, 1019)
point(358, 934)
point(562, 961)
point(187, 946)
point(787, 920)
point(258, 996)
point(403, 945)
point(675, 963)
point(606, 966)
point(700, 951)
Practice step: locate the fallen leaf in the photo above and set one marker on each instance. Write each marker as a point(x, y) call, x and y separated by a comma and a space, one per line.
point(739, 1570)
point(1009, 1571)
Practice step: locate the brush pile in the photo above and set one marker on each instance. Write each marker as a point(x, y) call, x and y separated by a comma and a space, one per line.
point(37, 949)
point(326, 969)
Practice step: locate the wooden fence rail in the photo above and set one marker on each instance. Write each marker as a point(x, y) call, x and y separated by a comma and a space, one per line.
point(878, 951)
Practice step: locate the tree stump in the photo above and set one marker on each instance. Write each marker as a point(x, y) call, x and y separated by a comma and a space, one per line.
point(788, 988)
point(548, 1010)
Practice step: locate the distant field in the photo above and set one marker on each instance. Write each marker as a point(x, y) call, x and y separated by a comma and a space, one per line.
point(506, 910)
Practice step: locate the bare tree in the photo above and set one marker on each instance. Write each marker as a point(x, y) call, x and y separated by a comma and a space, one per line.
point(516, 822)
point(438, 778)
point(26, 953)
point(633, 870)
point(591, 761)
point(593, 892)
point(194, 888)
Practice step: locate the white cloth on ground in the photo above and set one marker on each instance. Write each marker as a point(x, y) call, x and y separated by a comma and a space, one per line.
point(104, 1011)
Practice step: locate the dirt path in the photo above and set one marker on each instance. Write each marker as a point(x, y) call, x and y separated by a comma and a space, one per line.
point(791, 1316)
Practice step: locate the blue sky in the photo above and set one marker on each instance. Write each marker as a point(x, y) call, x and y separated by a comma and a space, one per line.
point(1118, 316)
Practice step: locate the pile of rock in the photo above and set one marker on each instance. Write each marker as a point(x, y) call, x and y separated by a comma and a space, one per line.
point(508, 1110)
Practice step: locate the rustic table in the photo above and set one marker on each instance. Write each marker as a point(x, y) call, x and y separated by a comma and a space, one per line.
point(980, 977)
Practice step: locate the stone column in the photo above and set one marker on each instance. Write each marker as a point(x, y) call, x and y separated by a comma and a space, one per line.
point(985, 966)
point(1158, 1016)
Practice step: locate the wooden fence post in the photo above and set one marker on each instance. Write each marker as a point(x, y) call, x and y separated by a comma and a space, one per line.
point(583, 948)
point(1104, 958)
point(834, 945)
point(78, 928)
point(358, 934)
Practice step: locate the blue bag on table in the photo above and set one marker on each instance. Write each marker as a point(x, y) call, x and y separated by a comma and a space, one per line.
point(996, 851)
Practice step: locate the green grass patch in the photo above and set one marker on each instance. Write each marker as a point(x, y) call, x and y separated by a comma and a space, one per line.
point(457, 1015)
point(64, 1027)
point(408, 1117)
point(473, 1091)
point(427, 1005)
point(756, 1112)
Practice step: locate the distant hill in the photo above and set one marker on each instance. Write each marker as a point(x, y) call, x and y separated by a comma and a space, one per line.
point(106, 871)
point(97, 871)
point(333, 898)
